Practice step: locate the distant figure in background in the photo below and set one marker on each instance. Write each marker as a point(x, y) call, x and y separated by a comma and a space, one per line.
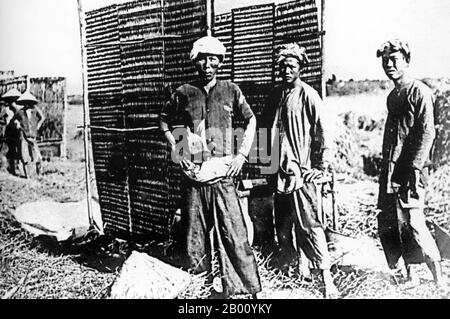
point(29, 120)
point(408, 138)
point(3, 145)
point(9, 151)
point(206, 108)
point(294, 113)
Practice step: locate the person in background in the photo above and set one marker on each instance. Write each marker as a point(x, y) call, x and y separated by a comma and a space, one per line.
point(28, 121)
point(10, 136)
point(294, 114)
point(3, 145)
point(408, 138)
point(206, 108)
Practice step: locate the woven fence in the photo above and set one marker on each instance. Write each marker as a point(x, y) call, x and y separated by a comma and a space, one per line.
point(138, 53)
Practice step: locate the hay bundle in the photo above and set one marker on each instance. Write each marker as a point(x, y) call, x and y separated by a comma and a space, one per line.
point(441, 91)
point(438, 197)
point(145, 277)
point(347, 156)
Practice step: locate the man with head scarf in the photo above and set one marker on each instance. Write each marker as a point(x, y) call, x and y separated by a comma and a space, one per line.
point(206, 108)
point(295, 117)
point(408, 138)
point(29, 120)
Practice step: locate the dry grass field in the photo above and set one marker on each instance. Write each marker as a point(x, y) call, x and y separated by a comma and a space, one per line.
point(32, 268)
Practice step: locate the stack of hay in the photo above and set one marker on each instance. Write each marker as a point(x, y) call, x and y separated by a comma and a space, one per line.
point(145, 277)
point(438, 196)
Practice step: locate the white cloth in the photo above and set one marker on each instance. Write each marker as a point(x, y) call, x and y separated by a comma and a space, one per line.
point(208, 45)
point(210, 171)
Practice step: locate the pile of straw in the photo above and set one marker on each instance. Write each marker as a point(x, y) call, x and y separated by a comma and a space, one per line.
point(145, 277)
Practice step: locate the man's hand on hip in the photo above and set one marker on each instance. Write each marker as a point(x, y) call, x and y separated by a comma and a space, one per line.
point(311, 175)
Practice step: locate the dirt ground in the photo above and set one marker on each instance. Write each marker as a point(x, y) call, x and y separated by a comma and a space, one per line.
point(31, 268)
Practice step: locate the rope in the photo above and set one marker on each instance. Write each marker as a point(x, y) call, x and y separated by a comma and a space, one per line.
point(138, 129)
point(156, 36)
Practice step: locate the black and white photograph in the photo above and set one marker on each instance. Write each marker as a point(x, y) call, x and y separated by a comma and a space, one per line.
point(239, 150)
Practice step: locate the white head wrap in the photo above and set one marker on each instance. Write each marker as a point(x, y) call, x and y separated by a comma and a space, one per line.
point(293, 50)
point(208, 45)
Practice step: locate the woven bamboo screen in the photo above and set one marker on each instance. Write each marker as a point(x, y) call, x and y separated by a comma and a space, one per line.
point(298, 21)
point(252, 50)
point(144, 46)
point(106, 109)
point(5, 75)
point(9, 81)
point(253, 36)
point(222, 30)
point(51, 95)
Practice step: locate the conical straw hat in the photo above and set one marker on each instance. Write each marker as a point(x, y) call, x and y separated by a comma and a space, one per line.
point(27, 98)
point(11, 94)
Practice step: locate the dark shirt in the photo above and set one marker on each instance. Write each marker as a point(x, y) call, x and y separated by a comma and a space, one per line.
point(191, 104)
point(409, 133)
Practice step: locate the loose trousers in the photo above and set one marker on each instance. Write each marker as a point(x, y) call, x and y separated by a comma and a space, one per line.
point(216, 208)
point(299, 210)
point(403, 233)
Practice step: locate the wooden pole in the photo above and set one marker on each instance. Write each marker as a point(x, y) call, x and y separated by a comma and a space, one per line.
point(63, 147)
point(28, 88)
point(209, 13)
point(87, 157)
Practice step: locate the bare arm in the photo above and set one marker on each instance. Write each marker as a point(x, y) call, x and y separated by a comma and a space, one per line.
point(249, 136)
point(170, 139)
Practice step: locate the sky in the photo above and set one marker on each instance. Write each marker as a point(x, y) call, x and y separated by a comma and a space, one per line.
point(41, 37)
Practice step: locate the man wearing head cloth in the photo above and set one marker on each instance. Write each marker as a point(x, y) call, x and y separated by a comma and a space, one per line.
point(408, 138)
point(294, 115)
point(206, 108)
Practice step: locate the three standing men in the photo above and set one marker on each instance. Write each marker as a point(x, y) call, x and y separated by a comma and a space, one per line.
point(294, 115)
point(408, 139)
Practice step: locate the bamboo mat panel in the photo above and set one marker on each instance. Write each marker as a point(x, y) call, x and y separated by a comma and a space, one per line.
point(298, 21)
point(252, 32)
point(222, 30)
